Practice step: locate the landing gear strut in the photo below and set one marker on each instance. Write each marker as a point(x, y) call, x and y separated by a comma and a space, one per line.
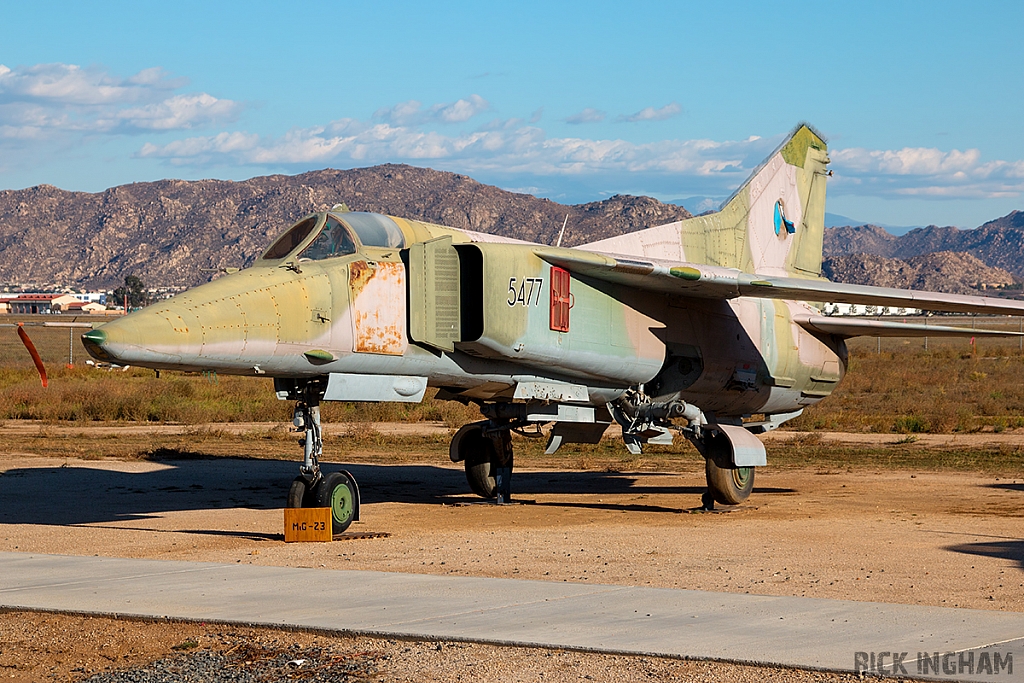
point(485, 449)
point(312, 488)
point(644, 421)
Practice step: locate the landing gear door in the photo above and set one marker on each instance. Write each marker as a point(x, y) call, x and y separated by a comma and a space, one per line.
point(434, 306)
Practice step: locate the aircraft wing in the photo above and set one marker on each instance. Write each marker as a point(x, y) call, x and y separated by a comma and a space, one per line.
point(861, 327)
point(713, 282)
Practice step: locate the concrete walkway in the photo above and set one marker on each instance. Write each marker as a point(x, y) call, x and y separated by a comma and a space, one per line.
point(756, 629)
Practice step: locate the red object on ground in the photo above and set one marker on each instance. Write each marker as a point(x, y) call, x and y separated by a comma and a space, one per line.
point(32, 352)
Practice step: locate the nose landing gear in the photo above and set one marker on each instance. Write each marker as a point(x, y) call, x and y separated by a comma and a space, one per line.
point(313, 488)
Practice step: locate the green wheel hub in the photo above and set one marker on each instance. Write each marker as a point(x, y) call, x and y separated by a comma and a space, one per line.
point(728, 484)
point(741, 475)
point(342, 504)
point(338, 492)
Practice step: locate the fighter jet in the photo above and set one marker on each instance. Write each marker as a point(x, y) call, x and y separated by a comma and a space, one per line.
point(708, 329)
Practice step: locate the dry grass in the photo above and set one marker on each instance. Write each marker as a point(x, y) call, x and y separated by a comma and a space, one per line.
point(904, 389)
point(86, 395)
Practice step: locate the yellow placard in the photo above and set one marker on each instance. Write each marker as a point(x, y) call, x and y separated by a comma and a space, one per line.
point(307, 524)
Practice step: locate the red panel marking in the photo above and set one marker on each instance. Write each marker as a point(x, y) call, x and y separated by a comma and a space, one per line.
point(560, 298)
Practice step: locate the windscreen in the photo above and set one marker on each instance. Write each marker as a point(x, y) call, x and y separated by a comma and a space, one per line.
point(333, 240)
point(291, 239)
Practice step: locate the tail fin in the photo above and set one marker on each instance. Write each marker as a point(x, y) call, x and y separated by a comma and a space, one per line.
point(773, 224)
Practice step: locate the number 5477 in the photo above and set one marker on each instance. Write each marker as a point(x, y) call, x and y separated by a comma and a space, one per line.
point(524, 291)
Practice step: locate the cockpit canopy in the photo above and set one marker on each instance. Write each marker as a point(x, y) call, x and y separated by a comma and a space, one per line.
point(326, 235)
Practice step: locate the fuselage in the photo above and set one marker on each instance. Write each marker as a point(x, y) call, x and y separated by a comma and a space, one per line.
point(475, 314)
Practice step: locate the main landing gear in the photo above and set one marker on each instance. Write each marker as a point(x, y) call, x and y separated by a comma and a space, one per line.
point(313, 488)
point(730, 451)
point(728, 484)
point(485, 448)
point(731, 454)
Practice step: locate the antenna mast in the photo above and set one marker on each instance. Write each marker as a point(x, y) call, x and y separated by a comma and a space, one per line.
point(562, 231)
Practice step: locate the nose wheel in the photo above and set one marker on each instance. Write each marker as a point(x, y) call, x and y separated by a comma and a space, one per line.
point(299, 494)
point(338, 491)
point(312, 488)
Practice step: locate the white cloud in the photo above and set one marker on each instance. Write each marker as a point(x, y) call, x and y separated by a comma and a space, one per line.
point(200, 148)
point(907, 161)
point(514, 147)
point(925, 172)
point(462, 110)
point(507, 146)
point(50, 101)
point(179, 112)
point(70, 84)
point(588, 115)
point(68, 104)
point(652, 114)
point(411, 113)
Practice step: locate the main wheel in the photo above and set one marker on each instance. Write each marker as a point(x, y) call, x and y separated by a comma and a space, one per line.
point(729, 485)
point(299, 494)
point(338, 492)
point(480, 461)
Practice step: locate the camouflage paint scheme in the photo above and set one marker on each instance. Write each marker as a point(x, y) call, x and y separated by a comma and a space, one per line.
point(713, 311)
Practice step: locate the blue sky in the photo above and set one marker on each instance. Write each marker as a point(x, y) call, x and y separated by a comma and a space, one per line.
point(921, 102)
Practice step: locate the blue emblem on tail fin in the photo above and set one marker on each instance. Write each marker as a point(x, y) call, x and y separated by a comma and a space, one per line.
point(781, 220)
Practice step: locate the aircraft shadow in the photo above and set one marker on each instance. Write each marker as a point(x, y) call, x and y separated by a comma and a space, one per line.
point(87, 495)
point(1009, 487)
point(1012, 550)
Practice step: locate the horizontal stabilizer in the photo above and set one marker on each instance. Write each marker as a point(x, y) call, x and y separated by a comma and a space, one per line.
point(834, 292)
point(859, 327)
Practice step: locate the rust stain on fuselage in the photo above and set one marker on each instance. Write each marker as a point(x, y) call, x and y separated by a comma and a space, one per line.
point(359, 273)
point(378, 298)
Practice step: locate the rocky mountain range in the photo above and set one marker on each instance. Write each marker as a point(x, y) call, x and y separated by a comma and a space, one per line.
point(176, 233)
point(997, 243)
point(168, 232)
point(956, 272)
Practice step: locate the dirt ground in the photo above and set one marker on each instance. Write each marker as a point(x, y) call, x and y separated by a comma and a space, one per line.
point(945, 538)
point(50, 647)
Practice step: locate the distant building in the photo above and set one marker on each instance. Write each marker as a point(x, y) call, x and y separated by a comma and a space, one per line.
point(91, 297)
point(27, 304)
point(83, 307)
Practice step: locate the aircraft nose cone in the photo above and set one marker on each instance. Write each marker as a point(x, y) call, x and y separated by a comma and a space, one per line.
point(93, 341)
point(95, 337)
point(145, 337)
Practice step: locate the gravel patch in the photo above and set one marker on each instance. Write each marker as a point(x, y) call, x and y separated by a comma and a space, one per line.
point(248, 663)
